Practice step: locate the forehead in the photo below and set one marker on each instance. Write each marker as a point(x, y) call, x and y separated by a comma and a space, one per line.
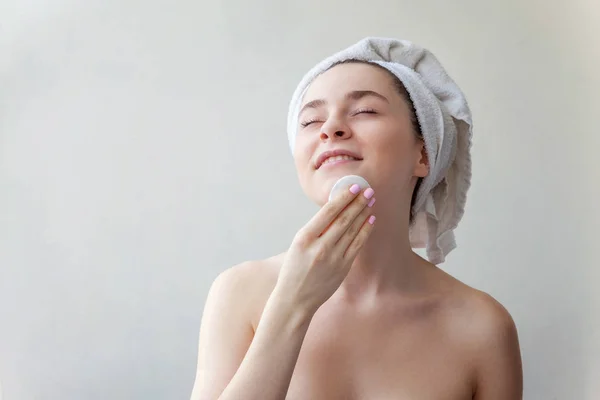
point(347, 77)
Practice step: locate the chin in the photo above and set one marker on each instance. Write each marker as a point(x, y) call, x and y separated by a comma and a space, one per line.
point(320, 196)
point(318, 185)
point(332, 175)
point(317, 193)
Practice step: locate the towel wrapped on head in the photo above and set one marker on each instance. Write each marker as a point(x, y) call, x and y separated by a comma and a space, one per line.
point(445, 120)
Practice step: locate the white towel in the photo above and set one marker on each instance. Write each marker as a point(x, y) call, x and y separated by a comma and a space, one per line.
point(445, 121)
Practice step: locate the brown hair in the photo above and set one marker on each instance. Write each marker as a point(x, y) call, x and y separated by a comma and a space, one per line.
point(411, 107)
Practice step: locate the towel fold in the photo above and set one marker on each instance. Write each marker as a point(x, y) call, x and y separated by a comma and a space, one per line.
point(445, 120)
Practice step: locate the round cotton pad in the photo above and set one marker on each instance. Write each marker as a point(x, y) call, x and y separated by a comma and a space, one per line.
point(345, 182)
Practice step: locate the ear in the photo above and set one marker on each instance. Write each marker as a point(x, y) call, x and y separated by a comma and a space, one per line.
point(422, 165)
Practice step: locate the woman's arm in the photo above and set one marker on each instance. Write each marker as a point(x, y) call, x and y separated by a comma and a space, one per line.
point(499, 367)
point(313, 268)
point(233, 361)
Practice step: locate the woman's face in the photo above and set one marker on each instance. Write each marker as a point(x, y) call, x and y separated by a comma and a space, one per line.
point(355, 111)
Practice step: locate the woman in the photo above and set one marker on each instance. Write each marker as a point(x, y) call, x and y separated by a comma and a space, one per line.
point(350, 311)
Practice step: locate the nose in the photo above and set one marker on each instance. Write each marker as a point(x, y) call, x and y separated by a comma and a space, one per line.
point(334, 129)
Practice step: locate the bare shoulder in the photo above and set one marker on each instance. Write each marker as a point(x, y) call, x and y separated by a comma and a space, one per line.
point(248, 285)
point(491, 320)
point(250, 276)
point(477, 315)
point(488, 320)
point(486, 334)
point(234, 304)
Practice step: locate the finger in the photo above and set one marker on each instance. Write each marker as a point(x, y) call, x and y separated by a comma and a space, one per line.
point(360, 239)
point(325, 216)
point(350, 233)
point(345, 219)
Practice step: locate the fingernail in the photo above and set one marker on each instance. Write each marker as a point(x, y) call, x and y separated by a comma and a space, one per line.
point(369, 193)
point(354, 188)
point(372, 219)
point(371, 202)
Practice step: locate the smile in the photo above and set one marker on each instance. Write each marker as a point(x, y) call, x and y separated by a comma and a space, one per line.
point(337, 160)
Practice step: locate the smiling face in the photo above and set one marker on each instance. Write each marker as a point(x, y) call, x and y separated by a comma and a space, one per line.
point(354, 121)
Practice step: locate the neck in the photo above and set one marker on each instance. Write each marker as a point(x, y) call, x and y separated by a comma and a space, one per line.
point(386, 262)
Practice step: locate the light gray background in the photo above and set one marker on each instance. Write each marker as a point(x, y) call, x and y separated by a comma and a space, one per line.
point(143, 151)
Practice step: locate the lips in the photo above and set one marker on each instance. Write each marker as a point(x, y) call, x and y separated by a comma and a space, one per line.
point(336, 155)
point(338, 158)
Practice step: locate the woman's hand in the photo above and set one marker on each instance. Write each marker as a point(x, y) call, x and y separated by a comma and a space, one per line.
point(322, 252)
point(234, 358)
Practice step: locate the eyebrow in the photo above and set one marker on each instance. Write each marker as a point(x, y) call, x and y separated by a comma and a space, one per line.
point(354, 95)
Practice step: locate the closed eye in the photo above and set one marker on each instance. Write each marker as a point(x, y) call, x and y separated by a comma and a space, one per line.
point(307, 123)
point(364, 111)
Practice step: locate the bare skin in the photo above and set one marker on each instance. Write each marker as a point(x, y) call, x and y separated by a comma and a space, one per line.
point(350, 311)
point(446, 341)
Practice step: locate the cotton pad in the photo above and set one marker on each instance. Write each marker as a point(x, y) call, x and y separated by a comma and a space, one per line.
point(345, 182)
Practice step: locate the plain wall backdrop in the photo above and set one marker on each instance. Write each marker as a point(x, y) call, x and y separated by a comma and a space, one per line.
point(143, 151)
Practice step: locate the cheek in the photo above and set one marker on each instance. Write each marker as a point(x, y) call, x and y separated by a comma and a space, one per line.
point(302, 157)
point(394, 152)
point(300, 150)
